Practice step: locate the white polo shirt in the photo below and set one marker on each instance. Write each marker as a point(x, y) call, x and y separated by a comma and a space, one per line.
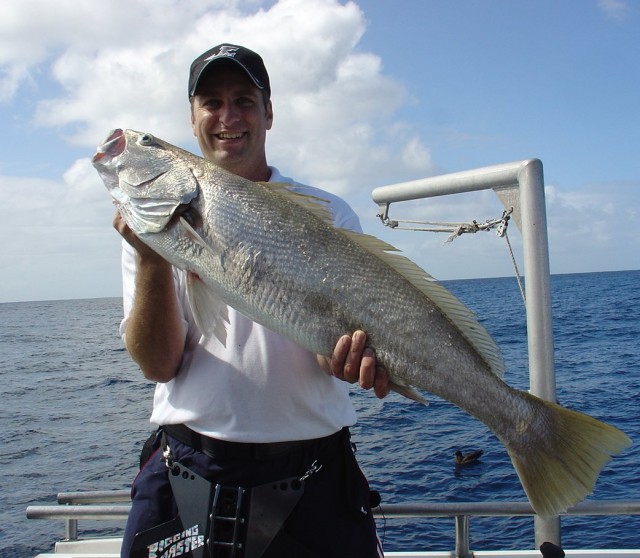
point(260, 387)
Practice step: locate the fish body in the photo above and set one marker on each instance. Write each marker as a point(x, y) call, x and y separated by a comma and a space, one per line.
point(275, 256)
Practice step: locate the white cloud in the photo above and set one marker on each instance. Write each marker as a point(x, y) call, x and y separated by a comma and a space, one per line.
point(81, 67)
point(58, 241)
point(417, 156)
point(614, 9)
point(121, 65)
point(35, 32)
point(598, 219)
point(78, 200)
point(127, 87)
point(94, 66)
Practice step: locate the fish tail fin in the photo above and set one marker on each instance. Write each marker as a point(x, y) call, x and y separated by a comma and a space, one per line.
point(561, 467)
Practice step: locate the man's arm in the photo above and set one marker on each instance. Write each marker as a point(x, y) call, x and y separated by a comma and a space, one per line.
point(155, 333)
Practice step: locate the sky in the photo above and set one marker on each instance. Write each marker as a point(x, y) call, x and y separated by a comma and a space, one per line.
point(366, 94)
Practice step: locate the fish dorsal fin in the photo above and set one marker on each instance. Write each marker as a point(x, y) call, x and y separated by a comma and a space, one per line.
point(459, 315)
point(314, 204)
point(462, 318)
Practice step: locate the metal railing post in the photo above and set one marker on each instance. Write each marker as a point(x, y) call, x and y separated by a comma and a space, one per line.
point(542, 378)
point(462, 549)
point(71, 529)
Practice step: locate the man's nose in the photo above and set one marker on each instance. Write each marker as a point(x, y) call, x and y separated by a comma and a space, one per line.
point(229, 114)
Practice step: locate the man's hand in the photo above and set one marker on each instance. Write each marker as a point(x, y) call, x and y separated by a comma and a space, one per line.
point(120, 225)
point(352, 362)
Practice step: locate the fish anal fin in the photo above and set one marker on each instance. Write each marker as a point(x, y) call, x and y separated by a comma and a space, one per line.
point(408, 392)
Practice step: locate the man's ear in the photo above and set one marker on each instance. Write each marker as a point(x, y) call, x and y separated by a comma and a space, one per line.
point(192, 117)
point(269, 115)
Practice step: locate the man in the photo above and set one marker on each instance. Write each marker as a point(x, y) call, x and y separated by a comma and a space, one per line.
point(261, 408)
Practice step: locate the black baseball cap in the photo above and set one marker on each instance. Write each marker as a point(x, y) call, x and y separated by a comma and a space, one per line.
point(248, 60)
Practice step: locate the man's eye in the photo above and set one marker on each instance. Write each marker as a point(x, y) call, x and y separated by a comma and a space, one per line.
point(207, 102)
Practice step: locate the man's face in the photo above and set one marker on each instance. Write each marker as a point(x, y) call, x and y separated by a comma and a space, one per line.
point(230, 120)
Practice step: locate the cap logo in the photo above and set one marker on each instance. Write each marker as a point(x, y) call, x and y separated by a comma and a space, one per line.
point(225, 50)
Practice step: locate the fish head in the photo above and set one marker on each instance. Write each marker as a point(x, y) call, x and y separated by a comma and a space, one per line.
point(148, 179)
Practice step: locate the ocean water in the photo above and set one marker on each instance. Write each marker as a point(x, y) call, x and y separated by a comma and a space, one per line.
point(74, 413)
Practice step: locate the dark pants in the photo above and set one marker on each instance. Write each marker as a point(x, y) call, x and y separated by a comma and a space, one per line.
point(333, 518)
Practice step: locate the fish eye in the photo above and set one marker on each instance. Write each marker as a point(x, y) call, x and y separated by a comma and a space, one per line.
point(147, 139)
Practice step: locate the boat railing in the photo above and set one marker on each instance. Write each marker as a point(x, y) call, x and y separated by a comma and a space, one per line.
point(520, 187)
point(74, 506)
point(115, 505)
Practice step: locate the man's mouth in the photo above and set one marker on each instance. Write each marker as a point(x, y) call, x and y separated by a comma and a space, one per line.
point(229, 135)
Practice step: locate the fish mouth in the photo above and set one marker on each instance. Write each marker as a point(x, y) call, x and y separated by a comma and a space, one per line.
point(112, 147)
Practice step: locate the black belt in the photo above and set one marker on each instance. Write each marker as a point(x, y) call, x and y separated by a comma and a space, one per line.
point(222, 449)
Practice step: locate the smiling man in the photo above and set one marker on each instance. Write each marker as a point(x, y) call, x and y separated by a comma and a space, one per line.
point(259, 410)
point(230, 116)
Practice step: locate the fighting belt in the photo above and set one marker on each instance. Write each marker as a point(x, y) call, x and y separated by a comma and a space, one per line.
point(216, 521)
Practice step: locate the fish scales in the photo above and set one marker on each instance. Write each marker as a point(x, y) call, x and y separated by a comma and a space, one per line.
point(328, 282)
point(273, 255)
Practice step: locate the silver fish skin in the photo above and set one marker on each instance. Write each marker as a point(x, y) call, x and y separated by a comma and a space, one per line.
point(275, 256)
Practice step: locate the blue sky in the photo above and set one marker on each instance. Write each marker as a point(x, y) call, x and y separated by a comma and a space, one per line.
point(366, 93)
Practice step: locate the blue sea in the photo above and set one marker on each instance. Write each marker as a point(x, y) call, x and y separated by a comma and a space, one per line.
point(74, 413)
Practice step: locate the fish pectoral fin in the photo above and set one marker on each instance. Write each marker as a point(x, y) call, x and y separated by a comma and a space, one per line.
point(407, 391)
point(210, 313)
point(193, 234)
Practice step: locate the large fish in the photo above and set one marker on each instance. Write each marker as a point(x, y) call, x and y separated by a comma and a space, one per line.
point(275, 256)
